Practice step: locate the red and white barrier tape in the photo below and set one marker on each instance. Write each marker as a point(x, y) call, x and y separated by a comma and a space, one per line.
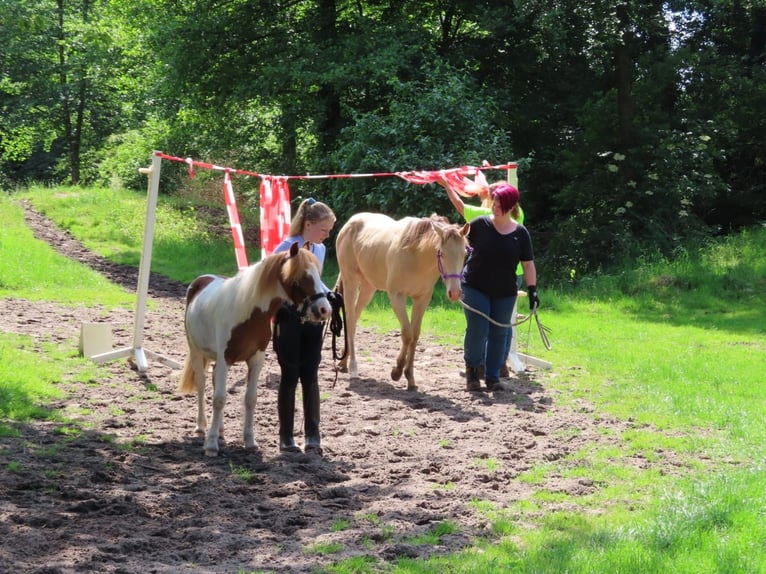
point(275, 196)
point(236, 226)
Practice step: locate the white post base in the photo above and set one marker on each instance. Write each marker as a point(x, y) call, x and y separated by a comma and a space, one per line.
point(139, 355)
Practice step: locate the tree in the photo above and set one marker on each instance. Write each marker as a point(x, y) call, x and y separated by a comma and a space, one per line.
point(638, 124)
point(61, 85)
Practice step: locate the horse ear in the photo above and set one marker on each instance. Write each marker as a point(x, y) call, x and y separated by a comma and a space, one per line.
point(437, 227)
point(466, 228)
point(307, 245)
point(439, 218)
point(294, 249)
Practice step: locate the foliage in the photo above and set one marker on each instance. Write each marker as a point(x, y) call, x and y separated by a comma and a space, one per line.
point(438, 122)
point(639, 124)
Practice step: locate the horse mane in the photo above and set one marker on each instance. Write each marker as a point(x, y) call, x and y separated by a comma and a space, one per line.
point(295, 267)
point(419, 233)
point(270, 272)
point(280, 268)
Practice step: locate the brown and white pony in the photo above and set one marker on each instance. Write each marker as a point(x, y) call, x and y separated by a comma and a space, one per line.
point(405, 258)
point(228, 320)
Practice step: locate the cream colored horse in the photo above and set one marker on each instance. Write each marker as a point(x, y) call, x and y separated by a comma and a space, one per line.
point(405, 258)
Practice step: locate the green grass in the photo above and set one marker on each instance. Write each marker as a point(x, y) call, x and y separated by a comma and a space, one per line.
point(33, 270)
point(25, 384)
point(111, 222)
point(32, 374)
point(677, 348)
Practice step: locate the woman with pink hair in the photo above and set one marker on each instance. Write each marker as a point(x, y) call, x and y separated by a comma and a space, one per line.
point(499, 244)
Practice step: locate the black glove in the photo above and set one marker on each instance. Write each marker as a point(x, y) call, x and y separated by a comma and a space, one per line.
point(534, 300)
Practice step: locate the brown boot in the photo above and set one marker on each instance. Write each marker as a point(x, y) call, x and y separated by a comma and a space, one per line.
point(472, 382)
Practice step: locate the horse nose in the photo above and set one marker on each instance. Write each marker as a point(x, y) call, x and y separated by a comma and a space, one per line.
point(454, 294)
point(321, 310)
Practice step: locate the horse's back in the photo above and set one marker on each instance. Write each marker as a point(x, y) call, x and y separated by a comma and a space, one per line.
point(214, 307)
point(371, 229)
point(387, 254)
point(363, 247)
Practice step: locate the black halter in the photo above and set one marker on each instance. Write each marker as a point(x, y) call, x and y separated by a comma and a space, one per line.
point(303, 309)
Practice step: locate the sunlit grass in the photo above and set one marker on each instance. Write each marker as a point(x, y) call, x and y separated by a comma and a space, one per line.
point(322, 548)
point(29, 372)
point(340, 524)
point(435, 533)
point(111, 222)
point(677, 349)
point(33, 270)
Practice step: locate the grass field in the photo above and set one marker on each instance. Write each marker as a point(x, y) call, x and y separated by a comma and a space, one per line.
point(677, 346)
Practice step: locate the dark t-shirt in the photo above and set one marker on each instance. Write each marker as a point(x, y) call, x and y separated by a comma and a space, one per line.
point(491, 266)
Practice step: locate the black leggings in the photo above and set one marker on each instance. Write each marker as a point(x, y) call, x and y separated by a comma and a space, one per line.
point(298, 347)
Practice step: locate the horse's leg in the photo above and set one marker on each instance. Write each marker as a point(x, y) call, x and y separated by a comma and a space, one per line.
point(198, 367)
point(254, 365)
point(354, 299)
point(350, 295)
point(419, 306)
point(399, 305)
point(219, 401)
point(365, 294)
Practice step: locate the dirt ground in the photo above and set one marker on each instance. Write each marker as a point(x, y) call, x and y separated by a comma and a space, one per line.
point(135, 493)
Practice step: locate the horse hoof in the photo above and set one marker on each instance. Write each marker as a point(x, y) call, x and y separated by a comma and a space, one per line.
point(211, 452)
point(412, 387)
point(396, 374)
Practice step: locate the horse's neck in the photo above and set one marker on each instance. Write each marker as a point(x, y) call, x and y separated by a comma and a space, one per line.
point(247, 285)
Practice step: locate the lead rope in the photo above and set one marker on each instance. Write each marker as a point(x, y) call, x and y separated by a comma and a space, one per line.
point(542, 329)
point(337, 325)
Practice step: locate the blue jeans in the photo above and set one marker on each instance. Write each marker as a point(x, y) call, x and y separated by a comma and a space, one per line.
point(484, 339)
point(509, 338)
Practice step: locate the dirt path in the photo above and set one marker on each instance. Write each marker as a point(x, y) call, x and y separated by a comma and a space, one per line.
point(134, 492)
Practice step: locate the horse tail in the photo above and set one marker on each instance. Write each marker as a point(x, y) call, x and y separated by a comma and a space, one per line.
point(186, 383)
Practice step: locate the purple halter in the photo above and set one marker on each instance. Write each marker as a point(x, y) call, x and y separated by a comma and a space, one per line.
point(444, 275)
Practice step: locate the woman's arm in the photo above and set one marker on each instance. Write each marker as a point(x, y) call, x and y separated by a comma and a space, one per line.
point(530, 272)
point(453, 196)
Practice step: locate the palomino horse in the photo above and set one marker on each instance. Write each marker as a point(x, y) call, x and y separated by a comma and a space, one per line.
point(405, 258)
point(228, 320)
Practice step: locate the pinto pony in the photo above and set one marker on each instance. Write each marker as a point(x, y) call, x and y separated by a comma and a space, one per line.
point(405, 258)
point(228, 320)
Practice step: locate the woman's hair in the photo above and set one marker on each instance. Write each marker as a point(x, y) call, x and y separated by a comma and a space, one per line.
point(309, 210)
point(507, 196)
point(487, 201)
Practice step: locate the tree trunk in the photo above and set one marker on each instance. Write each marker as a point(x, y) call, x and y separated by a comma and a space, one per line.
point(66, 118)
point(329, 121)
point(72, 105)
point(624, 80)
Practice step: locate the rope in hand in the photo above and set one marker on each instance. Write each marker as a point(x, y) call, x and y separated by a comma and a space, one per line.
point(542, 329)
point(337, 325)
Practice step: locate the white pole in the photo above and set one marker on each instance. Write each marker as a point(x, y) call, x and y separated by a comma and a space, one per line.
point(137, 352)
